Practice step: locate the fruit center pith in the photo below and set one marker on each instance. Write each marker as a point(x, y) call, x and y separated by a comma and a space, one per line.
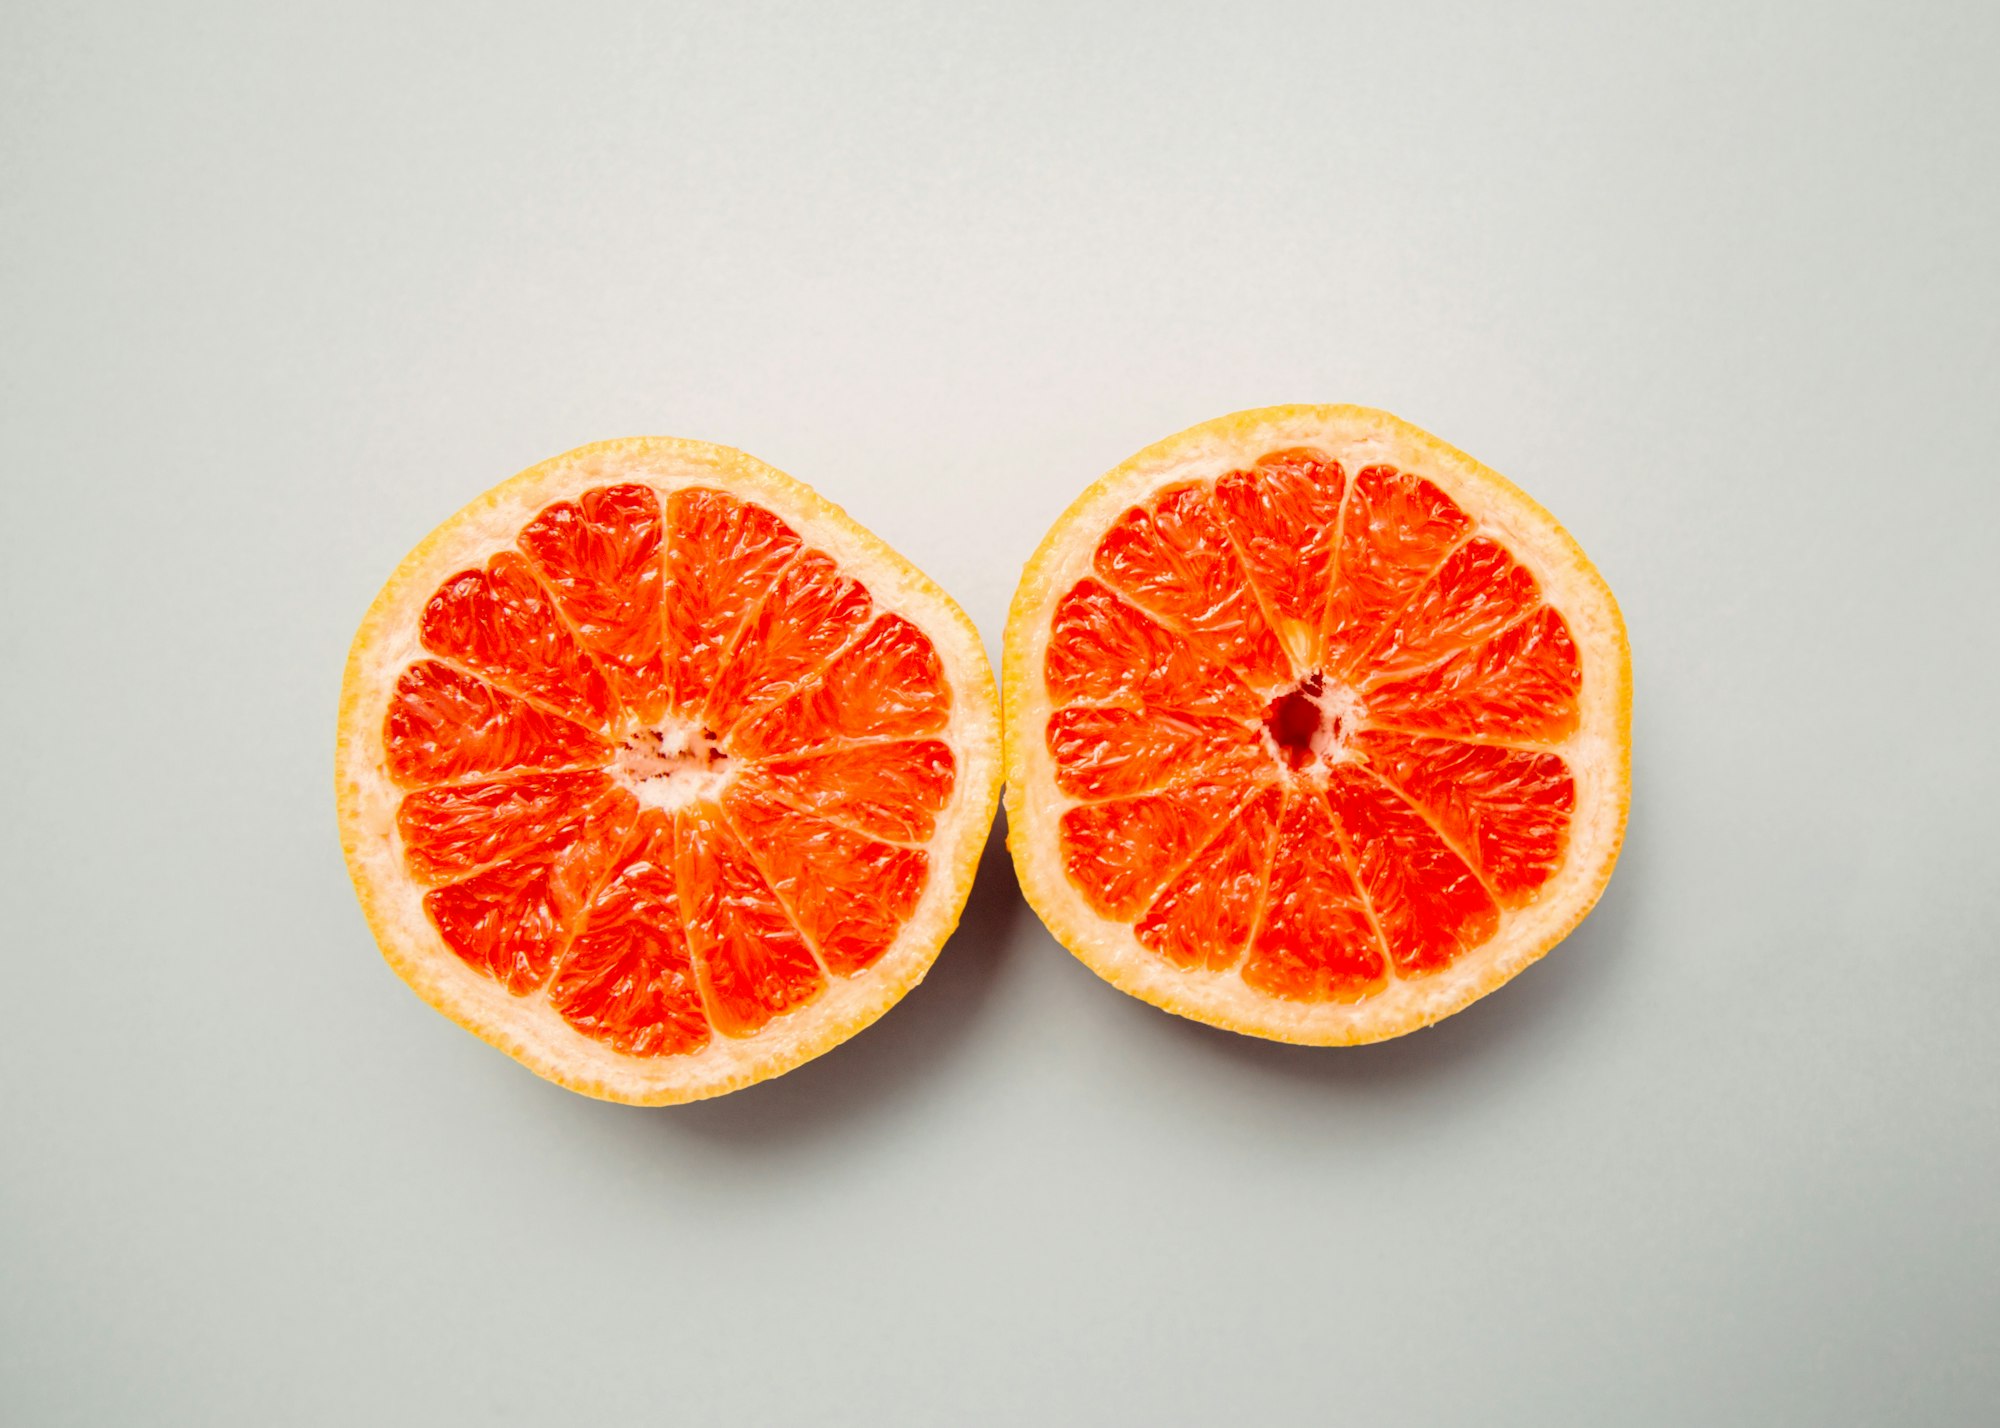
point(1312, 721)
point(671, 766)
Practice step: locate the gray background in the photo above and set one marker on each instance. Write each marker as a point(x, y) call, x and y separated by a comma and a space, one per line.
point(1716, 283)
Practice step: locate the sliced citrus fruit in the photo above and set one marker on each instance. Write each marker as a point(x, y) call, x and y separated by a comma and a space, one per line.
point(1317, 729)
point(661, 774)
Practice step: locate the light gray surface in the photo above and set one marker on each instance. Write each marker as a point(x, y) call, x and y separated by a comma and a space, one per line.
point(1717, 285)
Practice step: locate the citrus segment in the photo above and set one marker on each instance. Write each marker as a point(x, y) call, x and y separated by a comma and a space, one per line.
point(1428, 905)
point(1205, 917)
point(1314, 941)
point(501, 624)
point(537, 867)
point(892, 790)
point(811, 612)
point(1108, 752)
point(503, 921)
point(1172, 558)
point(510, 918)
point(757, 965)
point(722, 556)
point(599, 556)
point(1101, 650)
point(1521, 683)
point(661, 797)
point(847, 893)
point(444, 724)
point(1119, 852)
point(628, 978)
point(1505, 809)
point(1395, 530)
point(1478, 591)
point(453, 829)
point(1283, 513)
point(886, 685)
point(1310, 755)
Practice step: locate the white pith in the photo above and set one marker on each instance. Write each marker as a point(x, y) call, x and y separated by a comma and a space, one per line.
point(1596, 752)
point(669, 765)
point(526, 1026)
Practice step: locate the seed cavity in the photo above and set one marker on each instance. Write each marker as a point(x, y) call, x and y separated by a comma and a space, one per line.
point(1311, 723)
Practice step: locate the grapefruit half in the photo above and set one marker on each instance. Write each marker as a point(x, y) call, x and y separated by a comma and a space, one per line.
point(659, 773)
point(1317, 729)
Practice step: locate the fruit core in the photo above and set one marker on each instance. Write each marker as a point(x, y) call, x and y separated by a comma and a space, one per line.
point(671, 766)
point(1312, 721)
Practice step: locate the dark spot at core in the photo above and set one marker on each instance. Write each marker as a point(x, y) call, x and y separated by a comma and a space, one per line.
point(1294, 718)
point(643, 756)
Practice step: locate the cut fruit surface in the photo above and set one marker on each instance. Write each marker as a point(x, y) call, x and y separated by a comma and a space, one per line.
point(1317, 729)
point(659, 773)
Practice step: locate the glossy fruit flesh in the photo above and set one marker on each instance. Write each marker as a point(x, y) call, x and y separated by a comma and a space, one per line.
point(668, 767)
point(1311, 725)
